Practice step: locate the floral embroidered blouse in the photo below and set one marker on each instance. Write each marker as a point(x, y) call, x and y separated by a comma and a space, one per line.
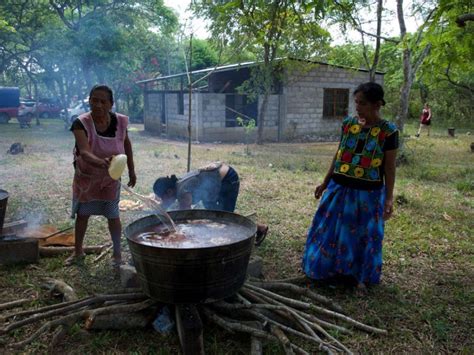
point(360, 158)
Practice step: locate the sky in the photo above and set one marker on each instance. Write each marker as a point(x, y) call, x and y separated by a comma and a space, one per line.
point(198, 26)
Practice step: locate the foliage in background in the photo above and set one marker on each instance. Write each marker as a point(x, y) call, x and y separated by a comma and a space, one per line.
point(269, 30)
point(249, 127)
point(446, 79)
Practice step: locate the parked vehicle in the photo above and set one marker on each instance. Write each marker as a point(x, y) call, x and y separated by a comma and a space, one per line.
point(49, 108)
point(74, 112)
point(9, 103)
point(27, 108)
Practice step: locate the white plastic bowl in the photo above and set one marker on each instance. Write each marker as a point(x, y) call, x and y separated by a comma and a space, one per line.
point(117, 166)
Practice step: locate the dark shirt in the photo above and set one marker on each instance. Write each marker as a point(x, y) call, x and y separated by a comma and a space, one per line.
point(203, 185)
point(109, 132)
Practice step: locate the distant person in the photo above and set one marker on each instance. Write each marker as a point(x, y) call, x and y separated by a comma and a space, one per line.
point(99, 134)
point(345, 238)
point(425, 119)
point(216, 186)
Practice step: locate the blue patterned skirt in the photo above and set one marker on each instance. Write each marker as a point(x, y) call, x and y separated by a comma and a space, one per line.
point(346, 235)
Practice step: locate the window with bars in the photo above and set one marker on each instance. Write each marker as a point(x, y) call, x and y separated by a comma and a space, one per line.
point(239, 106)
point(180, 103)
point(336, 103)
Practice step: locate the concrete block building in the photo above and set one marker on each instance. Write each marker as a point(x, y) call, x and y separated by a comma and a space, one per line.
point(308, 100)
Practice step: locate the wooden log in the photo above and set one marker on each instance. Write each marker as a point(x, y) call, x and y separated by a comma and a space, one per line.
point(256, 347)
point(190, 329)
point(126, 308)
point(71, 306)
point(282, 338)
point(63, 288)
point(14, 304)
point(55, 251)
point(137, 320)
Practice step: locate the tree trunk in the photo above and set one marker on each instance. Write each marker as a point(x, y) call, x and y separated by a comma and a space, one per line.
point(405, 89)
point(261, 117)
point(375, 62)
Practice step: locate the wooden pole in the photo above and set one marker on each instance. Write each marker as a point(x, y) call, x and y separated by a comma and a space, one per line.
point(190, 101)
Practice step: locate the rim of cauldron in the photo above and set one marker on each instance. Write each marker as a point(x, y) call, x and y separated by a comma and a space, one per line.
point(129, 236)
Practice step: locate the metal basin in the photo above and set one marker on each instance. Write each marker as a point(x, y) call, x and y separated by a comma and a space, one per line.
point(183, 274)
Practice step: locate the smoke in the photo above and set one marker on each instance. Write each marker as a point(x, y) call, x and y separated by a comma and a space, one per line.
point(34, 221)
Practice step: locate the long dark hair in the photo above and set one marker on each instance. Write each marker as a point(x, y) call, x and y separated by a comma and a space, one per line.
point(101, 87)
point(373, 92)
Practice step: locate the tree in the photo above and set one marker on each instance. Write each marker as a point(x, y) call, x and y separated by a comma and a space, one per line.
point(269, 30)
point(349, 14)
point(448, 72)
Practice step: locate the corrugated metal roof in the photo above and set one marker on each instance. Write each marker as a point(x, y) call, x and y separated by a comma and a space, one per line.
point(238, 66)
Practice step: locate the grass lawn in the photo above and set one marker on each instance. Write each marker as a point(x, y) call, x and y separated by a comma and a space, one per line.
point(425, 299)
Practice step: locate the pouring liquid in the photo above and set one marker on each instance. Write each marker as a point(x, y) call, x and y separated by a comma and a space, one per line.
point(151, 203)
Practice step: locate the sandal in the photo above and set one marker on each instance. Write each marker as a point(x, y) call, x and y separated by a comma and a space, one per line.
point(74, 259)
point(260, 235)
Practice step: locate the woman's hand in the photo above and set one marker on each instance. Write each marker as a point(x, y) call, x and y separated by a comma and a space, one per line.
point(132, 179)
point(387, 209)
point(318, 192)
point(105, 162)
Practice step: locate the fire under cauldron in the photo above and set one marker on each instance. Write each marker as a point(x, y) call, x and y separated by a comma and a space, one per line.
point(199, 270)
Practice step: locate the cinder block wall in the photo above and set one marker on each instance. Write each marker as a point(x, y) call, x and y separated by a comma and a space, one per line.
point(303, 95)
point(296, 113)
point(212, 118)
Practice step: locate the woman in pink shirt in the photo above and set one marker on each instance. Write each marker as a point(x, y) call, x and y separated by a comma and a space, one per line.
point(100, 134)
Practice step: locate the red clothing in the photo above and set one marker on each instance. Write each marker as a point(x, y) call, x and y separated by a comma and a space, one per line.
point(91, 183)
point(424, 116)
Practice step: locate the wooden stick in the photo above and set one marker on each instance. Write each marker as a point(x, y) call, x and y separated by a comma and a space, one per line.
point(284, 286)
point(282, 338)
point(14, 304)
point(253, 310)
point(37, 310)
point(137, 320)
point(312, 318)
point(104, 253)
point(322, 345)
point(77, 305)
point(327, 312)
point(236, 326)
point(114, 309)
point(323, 323)
point(66, 320)
point(58, 232)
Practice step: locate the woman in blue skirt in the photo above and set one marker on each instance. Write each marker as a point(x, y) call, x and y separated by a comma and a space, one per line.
point(345, 237)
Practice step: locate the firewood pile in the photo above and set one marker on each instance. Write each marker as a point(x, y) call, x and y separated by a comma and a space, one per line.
point(276, 311)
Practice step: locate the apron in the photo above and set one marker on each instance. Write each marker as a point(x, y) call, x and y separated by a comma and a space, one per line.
point(92, 183)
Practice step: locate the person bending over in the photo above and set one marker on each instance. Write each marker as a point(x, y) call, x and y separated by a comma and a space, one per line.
point(216, 186)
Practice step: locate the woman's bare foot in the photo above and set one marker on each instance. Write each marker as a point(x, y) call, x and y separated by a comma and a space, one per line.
point(74, 259)
point(116, 261)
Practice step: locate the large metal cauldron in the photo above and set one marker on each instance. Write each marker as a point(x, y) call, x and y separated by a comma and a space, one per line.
point(199, 275)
